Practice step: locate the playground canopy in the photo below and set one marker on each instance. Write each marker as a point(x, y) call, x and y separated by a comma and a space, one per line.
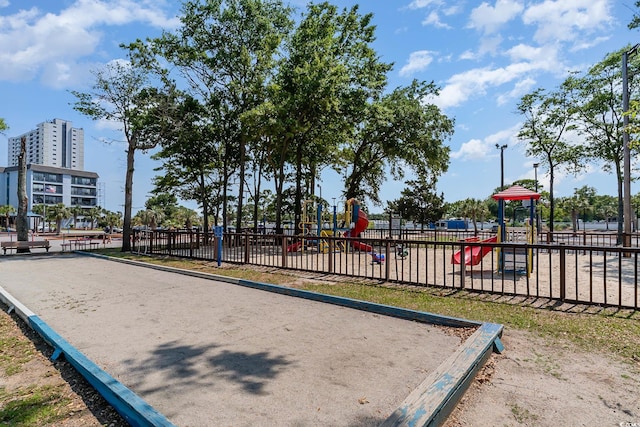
point(516, 192)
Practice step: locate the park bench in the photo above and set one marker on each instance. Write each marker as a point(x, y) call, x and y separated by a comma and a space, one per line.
point(25, 244)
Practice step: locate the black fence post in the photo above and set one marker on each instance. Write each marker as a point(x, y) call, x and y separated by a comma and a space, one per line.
point(463, 269)
point(387, 257)
point(331, 245)
point(285, 245)
point(246, 248)
point(563, 269)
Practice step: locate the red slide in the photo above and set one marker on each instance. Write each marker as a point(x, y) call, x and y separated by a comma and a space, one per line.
point(294, 247)
point(361, 225)
point(473, 254)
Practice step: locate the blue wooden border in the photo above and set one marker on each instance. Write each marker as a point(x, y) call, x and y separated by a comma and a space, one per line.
point(129, 405)
point(133, 408)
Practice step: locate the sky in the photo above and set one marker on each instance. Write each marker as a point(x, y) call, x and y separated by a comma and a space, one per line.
point(484, 56)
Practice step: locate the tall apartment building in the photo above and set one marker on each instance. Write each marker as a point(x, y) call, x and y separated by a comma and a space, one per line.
point(53, 143)
point(55, 168)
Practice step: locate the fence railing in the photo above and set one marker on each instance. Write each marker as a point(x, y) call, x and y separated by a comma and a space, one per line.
point(565, 270)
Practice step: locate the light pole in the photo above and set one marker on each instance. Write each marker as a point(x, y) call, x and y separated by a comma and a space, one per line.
point(501, 200)
point(535, 176)
point(626, 196)
point(501, 148)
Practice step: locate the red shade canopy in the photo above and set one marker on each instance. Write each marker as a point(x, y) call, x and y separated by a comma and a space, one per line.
point(516, 192)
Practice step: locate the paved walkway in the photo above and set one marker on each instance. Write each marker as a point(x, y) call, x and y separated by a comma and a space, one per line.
point(206, 352)
point(56, 242)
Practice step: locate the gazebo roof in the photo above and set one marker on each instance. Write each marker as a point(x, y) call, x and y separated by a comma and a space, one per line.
point(516, 192)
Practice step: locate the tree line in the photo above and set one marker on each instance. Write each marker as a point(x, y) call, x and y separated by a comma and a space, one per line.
point(245, 92)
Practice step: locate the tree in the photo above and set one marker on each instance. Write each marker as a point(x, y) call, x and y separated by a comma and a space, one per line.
point(112, 219)
point(419, 202)
point(94, 214)
point(187, 218)
point(225, 51)
point(3, 125)
point(188, 167)
point(5, 212)
point(122, 94)
point(165, 202)
point(323, 83)
point(401, 131)
point(76, 211)
point(475, 209)
point(547, 122)
point(22, 220)
point(635, 21)
point(58, 213)
point(597, 106)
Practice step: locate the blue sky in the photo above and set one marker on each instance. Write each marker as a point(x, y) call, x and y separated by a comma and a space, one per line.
point(483, 55)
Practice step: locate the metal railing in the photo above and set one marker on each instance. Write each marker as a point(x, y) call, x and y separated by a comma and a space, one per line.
point(565, 270)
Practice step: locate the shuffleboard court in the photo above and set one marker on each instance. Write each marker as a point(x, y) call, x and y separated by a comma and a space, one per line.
point(207, 352)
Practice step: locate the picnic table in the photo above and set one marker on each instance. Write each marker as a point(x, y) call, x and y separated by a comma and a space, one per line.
point(80, 243)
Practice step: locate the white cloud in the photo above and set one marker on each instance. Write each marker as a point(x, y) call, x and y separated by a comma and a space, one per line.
point(474, 149)
point(489, 19)
point(560, 20)
point(420, 4)
point(56, 46)
point(4, 3)
point(520, 88)
point(418, 61)
point(474, 83)
point(433, 19)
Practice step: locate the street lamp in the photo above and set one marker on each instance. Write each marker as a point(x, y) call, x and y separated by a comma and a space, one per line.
point(501, 148)
point(626, 197)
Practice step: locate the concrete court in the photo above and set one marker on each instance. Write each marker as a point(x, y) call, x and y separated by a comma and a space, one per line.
point(208, 353)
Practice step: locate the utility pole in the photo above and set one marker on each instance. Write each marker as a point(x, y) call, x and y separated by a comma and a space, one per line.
point(626, 196)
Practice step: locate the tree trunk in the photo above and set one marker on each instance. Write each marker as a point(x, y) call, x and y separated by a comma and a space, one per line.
point(298, 199)
point(241, 186)
point(128, 199)
point(22, 223)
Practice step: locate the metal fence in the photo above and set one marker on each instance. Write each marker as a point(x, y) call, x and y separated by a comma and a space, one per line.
point(565, 270)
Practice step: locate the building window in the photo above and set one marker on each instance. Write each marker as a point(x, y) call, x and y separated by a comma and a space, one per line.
point(80, 180)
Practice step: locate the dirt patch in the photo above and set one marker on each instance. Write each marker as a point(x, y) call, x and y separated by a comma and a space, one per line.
point(536, 382)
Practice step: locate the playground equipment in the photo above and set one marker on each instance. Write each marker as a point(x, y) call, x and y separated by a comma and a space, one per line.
point(510, 259)
point(473, 254)
point(516, 259)
point(315, 234)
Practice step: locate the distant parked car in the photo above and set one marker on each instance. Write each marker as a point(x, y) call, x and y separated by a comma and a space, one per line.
point(111, 230)
point(494, 228)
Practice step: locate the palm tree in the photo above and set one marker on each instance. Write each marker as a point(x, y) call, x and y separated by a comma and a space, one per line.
point(59, 212)
point(94, 214)
point(113, 219)
point(42, 211)
point(474, 209)
point(187, 217)
point(5, 211)
point(151, 218)
point(76, 211)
